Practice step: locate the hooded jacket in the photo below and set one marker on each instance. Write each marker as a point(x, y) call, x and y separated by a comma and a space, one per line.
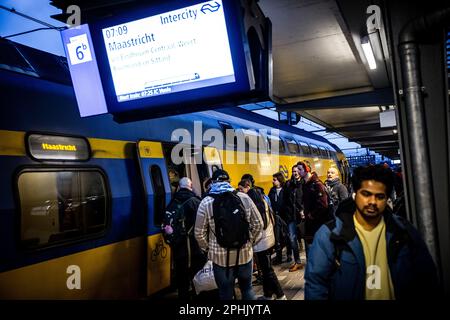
point(191, 203)
point(336, 267)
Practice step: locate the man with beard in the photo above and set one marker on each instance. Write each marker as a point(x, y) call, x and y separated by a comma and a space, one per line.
point(368, 252)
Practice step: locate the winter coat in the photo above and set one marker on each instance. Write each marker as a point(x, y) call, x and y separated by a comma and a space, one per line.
point(337, 193)
point(267, 240)
point(336, 266)
point(276, 201)
point(191, 203)
point(315, 203)
point(292, 201)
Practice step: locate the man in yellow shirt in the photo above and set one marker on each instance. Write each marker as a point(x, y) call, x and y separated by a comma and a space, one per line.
point(368, 252)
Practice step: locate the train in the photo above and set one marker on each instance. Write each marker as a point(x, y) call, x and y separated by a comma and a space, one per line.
point(82, 199)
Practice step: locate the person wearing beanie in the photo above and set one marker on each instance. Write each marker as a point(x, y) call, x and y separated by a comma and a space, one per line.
point(240, 260)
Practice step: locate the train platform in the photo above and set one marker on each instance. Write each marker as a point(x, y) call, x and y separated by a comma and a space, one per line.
point(293, 283)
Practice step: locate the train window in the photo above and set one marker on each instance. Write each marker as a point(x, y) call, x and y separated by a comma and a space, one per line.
point(61, 205)
point(282, 146)
point(275, 144)
point(229, 134)
point(254, 141)
point(315, 150)
point(159, 201)
point(292, 146)
point(174, 171)
point(251, 140)
point(323, 152)
point(331, 152)
point(305, 148)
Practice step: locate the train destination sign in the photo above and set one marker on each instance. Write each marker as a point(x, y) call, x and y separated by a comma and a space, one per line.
point(52, 147)
point(169, 57)
point(174, 51)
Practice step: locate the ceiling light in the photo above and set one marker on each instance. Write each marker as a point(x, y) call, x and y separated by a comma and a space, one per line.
point(368, 52)
point(394, 131)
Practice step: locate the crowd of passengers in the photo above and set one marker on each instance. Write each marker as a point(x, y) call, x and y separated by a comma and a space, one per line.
point(357, 247)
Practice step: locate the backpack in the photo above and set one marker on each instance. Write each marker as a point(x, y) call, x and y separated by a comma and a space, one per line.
point(259, 200)
point(231, 225)
point(175, 219)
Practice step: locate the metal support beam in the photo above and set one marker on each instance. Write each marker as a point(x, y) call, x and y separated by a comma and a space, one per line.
point(381, 144)
point(362, 140)
point(356, 128)
point(372, 98)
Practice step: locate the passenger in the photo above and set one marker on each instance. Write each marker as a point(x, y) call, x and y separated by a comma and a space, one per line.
point(188, 258)
point(263, 251)
point(206, 186)
point(239, 260)
point(244, 185)
point(315, 202)
point(260, 199)
point(337, 192)
point(255, 191)
point(367, 252)
point(293, 208)
point(281, 233)
point(174, 179)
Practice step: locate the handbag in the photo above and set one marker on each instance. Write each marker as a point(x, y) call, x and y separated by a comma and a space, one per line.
point(204, 279)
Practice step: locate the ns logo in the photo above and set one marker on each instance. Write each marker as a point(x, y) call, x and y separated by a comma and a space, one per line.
point(284, 170)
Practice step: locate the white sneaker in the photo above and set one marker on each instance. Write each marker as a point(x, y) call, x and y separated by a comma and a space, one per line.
point(282, 297)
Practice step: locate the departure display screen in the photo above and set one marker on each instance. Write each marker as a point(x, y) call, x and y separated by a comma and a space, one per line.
point(174, 51)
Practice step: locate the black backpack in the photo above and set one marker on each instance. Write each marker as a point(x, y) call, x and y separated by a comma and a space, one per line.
point(231, 225)
point(176, 218)
point(258, 199)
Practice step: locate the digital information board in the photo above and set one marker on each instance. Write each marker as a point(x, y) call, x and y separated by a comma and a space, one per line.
point(173, 51)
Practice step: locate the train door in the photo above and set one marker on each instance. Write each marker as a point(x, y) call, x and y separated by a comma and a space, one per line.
point(157, 194)
point(196, 163)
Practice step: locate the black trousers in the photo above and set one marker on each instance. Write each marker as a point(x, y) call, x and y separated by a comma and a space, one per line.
point(270, 281)
point(184, 274)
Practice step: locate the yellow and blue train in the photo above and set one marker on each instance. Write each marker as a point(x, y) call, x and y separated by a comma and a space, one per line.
point(82, 199)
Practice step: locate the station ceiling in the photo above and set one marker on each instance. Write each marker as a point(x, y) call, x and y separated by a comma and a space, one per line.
point(319, 69)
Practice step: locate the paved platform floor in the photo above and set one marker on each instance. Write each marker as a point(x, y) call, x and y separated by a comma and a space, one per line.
point(291, 282)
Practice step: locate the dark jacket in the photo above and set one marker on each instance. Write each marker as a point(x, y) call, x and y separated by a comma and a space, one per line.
point(412, 269)
point(292, 201)
point(276, 201)
point(315, 202)
point(191, 203)
point(337, 193)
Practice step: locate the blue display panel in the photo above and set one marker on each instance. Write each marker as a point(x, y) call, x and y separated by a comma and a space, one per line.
point(84, 71)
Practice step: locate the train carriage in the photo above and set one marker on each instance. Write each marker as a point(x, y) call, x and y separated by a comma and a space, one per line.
point(82, 199)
